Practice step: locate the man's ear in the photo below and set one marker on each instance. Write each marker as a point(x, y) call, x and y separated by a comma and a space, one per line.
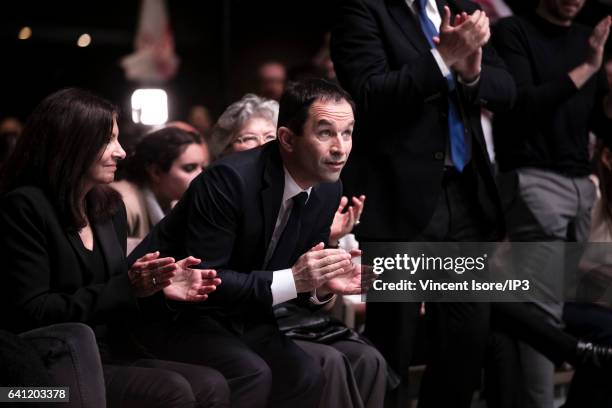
point(286, 138)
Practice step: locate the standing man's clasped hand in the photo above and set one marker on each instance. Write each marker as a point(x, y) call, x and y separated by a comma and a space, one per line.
point(460, 44)
point(150, 274)
point(594, 58)
point(595, 54)
point(597, 43)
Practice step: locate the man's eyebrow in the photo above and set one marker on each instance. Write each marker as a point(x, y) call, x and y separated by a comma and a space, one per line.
point(324, 122)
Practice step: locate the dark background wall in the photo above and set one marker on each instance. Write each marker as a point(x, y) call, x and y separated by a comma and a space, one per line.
point(220, 43)
point(258, 30)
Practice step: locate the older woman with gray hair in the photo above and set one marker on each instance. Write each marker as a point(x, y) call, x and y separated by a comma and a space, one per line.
point(245, 124)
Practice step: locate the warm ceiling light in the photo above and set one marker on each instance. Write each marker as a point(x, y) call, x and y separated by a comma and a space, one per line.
point(150, 106)
point(24, 33)
point(84, 40)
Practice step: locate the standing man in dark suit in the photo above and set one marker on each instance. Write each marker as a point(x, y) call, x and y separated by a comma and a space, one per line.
point(261, 218)
point(420, 71)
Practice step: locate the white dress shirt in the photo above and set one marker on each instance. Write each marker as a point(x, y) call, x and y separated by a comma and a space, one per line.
point(431, 9)
point(283, 284)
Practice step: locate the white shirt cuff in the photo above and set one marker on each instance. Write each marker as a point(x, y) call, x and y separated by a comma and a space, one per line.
point(316, 301)
point(283, 286)
point(469, 84)
point(444, 69)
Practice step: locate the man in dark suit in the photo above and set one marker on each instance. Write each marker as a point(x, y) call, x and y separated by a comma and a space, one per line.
point(419, 76)
point(260, 218)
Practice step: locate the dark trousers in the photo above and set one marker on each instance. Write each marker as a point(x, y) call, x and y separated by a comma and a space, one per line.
point(355, 373)
point(529, 325)
point(456, 332)
point(590, 386)
point(160, 384)
point(540, 206)
point(503, 368)
point(517, 321)
point(262, 366)
point(70, 355)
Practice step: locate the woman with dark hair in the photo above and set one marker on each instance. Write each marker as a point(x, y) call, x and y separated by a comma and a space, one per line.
point(157, 174)
point(591, 316)
point(63, 251)
point(601, 222)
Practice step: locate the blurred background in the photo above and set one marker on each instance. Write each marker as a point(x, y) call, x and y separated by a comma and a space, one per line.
point(220, 44)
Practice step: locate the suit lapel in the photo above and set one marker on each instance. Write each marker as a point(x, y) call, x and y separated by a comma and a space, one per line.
point(272, 193)
point(109, 245)
point(408, 23)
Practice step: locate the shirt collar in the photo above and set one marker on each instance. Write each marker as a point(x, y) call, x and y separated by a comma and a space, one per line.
point(430, 4)
point(156, 214)
point(292, 188)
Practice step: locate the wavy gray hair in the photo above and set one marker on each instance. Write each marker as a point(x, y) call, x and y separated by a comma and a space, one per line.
point(236, 115)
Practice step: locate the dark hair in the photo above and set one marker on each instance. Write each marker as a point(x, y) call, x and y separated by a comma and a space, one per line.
point(605, 176)
point(158, 148)
point(299, 96)
point(61, 139)
point(8, 140)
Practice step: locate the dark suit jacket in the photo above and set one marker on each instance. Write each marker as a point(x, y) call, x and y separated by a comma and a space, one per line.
point(227, 217)
point(45, 279)
point(384, 61)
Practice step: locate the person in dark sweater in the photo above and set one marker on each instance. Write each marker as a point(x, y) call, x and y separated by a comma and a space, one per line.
point(542, 146)
point(562, 94)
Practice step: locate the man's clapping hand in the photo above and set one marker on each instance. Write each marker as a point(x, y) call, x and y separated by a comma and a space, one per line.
point(190, 284)
point(460, 44)
point(355, 281)
point(318, 266)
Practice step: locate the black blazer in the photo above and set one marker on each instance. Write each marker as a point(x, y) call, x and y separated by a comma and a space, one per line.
point(45, 279)
point(227, 217)
point(384, 61)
